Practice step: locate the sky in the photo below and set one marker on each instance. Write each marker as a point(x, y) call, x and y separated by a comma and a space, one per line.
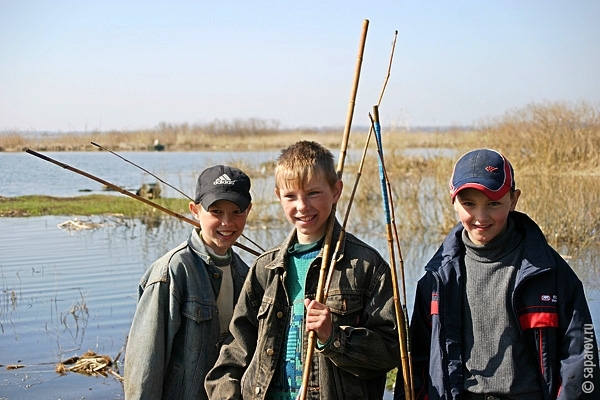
point(106, 65)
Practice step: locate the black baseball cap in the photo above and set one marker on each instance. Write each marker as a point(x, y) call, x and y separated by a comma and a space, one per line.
point(223, 182)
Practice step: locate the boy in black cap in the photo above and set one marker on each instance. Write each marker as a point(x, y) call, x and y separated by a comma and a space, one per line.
point(186, 298)
point(499, 314)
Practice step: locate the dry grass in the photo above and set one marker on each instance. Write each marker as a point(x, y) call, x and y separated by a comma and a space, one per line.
point(247, 135)
point(553, 148)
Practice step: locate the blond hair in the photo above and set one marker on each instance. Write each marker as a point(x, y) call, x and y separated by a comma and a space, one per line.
point(302, 161)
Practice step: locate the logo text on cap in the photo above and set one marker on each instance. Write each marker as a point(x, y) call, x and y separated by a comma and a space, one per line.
point(223, 180)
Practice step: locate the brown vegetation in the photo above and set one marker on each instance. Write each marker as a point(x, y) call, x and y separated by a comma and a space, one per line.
point(246, 135)
point(553, 148)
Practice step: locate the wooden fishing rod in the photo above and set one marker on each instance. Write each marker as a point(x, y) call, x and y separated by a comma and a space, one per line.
point(168, 184)
point(132, 195)
point(402, 279)
point(310, 348)
point(401, 319)
point(356, 181)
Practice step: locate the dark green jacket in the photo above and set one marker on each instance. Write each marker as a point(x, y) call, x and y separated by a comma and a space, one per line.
point(364, 343)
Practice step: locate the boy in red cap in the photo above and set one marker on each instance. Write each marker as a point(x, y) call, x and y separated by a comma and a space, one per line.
point(499, 314)
point(186, 298)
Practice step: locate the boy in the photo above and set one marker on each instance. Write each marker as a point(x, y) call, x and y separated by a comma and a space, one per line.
point(186, 298)
point(357, 341)
point(499, 314)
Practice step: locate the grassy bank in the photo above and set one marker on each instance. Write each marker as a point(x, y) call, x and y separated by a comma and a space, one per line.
point(96, 204)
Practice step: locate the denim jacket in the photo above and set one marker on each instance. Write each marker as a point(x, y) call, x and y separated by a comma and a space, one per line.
point(174, 337)
point(364, 342)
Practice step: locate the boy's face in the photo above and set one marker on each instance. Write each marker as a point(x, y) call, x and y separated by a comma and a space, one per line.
point(222, 224)
point(308, 208)
point(482, 218)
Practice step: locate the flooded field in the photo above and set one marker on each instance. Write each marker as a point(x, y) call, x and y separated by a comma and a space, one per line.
point(66, 291)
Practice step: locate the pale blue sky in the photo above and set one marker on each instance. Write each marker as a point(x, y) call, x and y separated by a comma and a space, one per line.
point(102, 65)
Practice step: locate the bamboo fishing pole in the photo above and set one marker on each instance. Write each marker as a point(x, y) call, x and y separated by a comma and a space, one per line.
point(168, 184)
point(127, 193)
point(356, 181)
point(401, 319)
point(310, 348)
point(402, 277)
point(397, 240)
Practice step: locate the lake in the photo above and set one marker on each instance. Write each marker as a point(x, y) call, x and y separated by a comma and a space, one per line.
point(66, 291)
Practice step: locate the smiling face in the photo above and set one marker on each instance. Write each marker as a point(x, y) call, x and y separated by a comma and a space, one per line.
point(482, 218)
point(308, 206)
point(222, 224)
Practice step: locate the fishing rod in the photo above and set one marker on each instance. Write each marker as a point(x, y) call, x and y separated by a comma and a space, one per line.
point(135, 196)
point(356, 181)
point(171, 186)
point(401, 318)
point(143, 169)
point(331, 221)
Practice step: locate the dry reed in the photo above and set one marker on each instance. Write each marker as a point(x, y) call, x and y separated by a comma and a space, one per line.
point(552, 146)
point(554, 150)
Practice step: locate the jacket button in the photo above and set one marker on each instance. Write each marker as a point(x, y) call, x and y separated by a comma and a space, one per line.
point(257, 390)
point(336, 344)
point(270, 352)
point(279, 314)
point(216, 275)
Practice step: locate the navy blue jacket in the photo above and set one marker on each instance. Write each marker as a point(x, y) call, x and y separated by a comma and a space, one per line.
point(548, 302)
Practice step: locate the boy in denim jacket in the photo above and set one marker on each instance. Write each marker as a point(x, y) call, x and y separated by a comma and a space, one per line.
point(499, 314)
point(186, 298)
point(357, 341)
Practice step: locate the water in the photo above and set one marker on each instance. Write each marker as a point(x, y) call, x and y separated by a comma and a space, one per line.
point(26, 174)
point(68, 291)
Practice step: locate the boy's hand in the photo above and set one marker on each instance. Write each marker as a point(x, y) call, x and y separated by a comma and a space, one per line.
point(318, 319)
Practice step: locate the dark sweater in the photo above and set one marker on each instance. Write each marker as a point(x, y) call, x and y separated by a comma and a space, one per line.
point(495, 355)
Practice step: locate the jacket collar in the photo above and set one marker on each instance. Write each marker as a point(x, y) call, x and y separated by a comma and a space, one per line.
point(197, 244)
point(199, 248)
point(281, 249)
point(536, 256)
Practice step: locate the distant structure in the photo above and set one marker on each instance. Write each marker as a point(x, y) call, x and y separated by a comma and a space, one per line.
point(158, 146)
point(149, 191)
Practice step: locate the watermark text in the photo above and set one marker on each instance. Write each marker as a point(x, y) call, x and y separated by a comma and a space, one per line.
point(588, 364)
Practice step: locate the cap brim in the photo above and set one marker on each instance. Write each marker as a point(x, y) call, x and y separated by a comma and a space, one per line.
point(486, 187)
point(241, 201)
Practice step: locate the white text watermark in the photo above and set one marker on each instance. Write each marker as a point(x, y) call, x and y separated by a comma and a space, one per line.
point(588, 365)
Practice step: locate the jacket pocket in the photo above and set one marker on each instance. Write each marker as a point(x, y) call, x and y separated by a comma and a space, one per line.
point(196, 311)
point(346, 307)
point(263, 310)
point(199, 330)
